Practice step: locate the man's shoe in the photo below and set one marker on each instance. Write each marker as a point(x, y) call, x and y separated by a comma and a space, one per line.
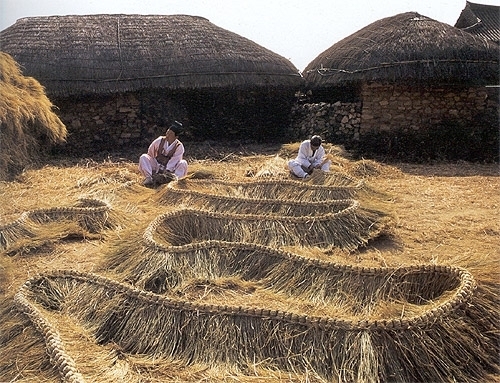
point(148, 181)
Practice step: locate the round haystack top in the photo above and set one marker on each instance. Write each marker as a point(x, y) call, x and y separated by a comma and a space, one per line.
point(406, 47)
point(82, 54)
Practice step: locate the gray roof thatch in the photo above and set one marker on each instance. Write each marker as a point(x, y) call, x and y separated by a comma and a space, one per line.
point(480, 20)
point(406, 47)
point(72, 55)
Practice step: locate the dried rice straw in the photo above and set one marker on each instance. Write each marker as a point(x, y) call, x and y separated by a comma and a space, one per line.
point(365, 350)
point(92, 215)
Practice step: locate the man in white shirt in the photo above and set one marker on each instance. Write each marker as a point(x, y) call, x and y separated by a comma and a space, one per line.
point(164, 156)
point(311, 156)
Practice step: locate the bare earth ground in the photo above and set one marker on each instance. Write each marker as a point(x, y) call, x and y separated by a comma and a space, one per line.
point(445, 213)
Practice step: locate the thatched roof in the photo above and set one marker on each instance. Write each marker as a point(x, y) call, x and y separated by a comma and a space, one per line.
point(480, 20)
point(406, 47)
point(73, 55)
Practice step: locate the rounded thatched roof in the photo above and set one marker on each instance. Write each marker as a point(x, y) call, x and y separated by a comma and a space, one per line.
point(406, 47)
point(73, 55)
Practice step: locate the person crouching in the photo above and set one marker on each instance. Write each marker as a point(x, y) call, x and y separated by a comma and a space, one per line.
point(311, 156)
point(164, 157)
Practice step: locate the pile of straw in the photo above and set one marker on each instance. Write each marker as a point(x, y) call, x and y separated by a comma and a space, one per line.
point(208, 288)
point(28, 123)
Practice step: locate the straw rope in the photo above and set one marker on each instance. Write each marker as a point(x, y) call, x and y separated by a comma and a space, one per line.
point(461, 294)
point(91, 214)
point(202, 243)
point(339, 187)
point(242, 205)
point(59, 358)
point(291, 273)
point(134, 313)
point(345, 228)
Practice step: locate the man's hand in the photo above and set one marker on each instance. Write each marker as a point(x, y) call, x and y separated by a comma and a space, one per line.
point(308, 169)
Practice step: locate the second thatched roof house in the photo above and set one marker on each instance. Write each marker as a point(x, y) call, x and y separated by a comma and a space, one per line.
point(409, 78)
point(117, 78)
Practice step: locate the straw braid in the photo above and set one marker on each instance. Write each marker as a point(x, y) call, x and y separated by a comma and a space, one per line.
point(14, 231)
point(136, 305)
point(232, 204)
point(201, 243)
point(271, 189)
point(91, 214)
point(55, 349)
point(347, 228)
point(462, 294)
point(287, 272)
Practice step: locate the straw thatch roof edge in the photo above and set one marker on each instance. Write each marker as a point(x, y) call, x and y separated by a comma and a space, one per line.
point(406, 47)
point(72, 55)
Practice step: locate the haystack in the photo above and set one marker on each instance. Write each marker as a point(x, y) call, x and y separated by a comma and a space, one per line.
point(28, 124)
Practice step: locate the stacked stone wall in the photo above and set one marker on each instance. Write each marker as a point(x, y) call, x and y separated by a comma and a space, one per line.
point(103, 123)
point(132, 120)
point(338, 122)
point(395, 107)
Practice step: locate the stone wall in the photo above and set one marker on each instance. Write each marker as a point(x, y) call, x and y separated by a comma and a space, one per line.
point(337, 123)
point(398, 110)
point(392, 107)
point(111, 123)
point(132, 120)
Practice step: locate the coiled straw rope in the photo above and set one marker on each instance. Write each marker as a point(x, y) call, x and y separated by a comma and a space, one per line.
point(91, 214)
point(55, 349)
point(142, 317)
point(343, 228)
point(283, 189)
point(132, 321)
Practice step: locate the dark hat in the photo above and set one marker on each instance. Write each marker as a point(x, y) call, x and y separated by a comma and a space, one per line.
point(316, 141)
point(176, 127)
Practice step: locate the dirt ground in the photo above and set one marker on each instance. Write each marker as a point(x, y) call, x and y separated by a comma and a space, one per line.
point(443, 213)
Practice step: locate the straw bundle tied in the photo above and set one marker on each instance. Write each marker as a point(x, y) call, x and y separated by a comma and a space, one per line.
point(360, 349)
point(92, 215)
point(339, 187)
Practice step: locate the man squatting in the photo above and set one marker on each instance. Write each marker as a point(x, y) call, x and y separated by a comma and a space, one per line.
point(311, 156)
point(164, 156)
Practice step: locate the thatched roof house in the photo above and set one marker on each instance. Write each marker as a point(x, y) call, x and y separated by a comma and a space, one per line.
point(407, 75)
point(153, 69)
point(480, 20)
point(73, 55)
point(406, 47)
